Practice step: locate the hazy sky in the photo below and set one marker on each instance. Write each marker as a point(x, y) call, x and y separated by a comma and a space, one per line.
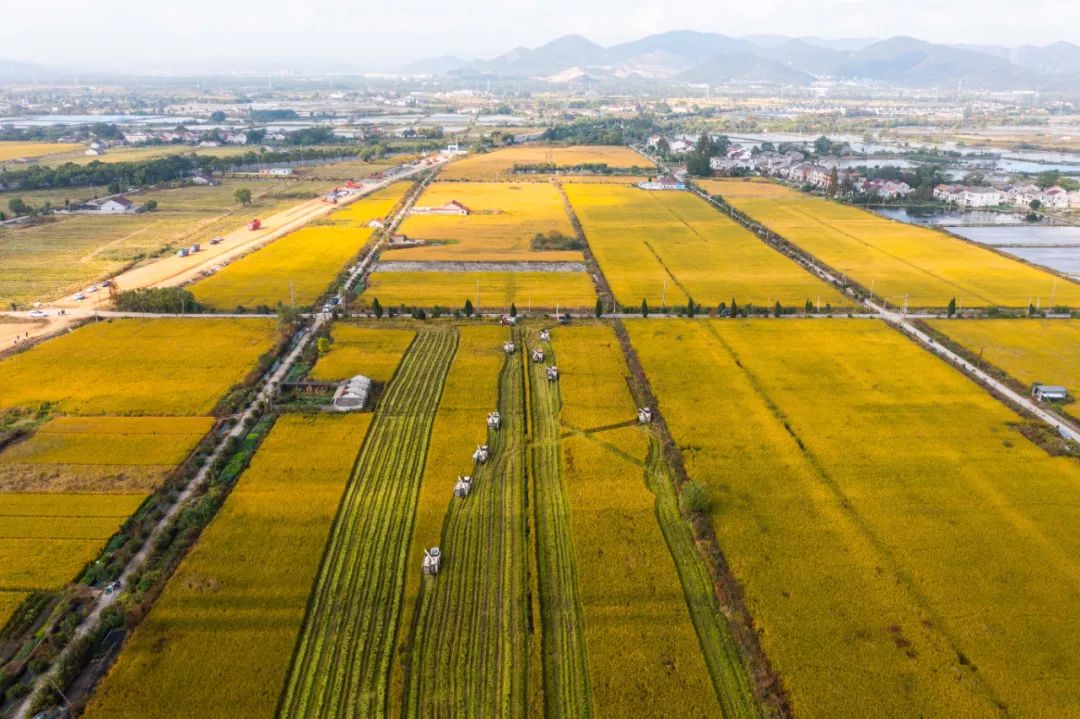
point(134, 34)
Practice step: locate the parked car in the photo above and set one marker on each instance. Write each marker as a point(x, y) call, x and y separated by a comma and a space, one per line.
point(79, 297)
point(38, 313)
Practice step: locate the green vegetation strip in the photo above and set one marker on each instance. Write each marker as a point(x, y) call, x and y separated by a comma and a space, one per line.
point(566, 673)
point(473, 635)
point(342, 661)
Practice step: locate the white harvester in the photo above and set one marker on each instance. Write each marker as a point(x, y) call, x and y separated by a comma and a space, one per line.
point(481, 454)
point(432, 560)
point(552, 373)
point(545, 336)
point(508, 347)
point(644, 415)
point(538, 355)
point(494, 420)
point(462, 487)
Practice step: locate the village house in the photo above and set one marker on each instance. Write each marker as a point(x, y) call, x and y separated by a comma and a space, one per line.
point(112, 205)
point(450, 208)
point(1054, 198)
point(203, 179)
point(1074, 199)
point(668, 182)
point(1021, 195)
point(969, 196)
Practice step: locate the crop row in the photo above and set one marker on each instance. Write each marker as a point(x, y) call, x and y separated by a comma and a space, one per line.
point(342, 660)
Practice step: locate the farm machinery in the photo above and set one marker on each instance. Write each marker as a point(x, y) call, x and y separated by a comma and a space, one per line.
point(508, 347)
point(545, 336)
point(481, 454)
point(463, 486)
point(644, 415)
point(432, 560)
point(494, 420)
point(538, 355)
point(552, 373)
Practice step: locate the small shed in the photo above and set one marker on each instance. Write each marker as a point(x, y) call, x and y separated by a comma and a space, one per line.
point(1049, 392)
point(352, 395)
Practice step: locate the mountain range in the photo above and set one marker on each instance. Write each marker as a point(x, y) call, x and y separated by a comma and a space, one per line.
point(700, 57)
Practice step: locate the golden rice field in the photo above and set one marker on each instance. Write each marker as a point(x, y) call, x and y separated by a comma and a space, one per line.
point(895, 258)
point(69, 252)
point(503, 220)
point(150, 367)
point(1045, 351)
point(46, 539)
point(470, 391)
point(643, 652)
point(100, 454)
point(372, 352)
point(488, 291)
point(903, 549)
point(17, 150)
point(663, 246)
point(298, 268)
point(499, 165)
point(220, 638)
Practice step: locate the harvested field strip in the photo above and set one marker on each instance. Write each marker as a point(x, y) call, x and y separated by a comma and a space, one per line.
point(499, 165)
point(473, 642)
point(926, 510)
point(182, 367)
point(645, 658)
point(566, 671)
point(342, 661)
point(926, 266)
point(223, 632)
point(68, 505)
point(372, 352)
point(494, 290)
point(470, 392)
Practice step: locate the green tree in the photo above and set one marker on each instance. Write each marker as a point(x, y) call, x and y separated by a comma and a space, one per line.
point(705, 146)
point(599, 308)
point(734, 308)
point(952, 307)
point(322, 345)
point(822, 145)
point(644, 308)
point(698, 165)
point(217, 116)
point(808, 307)
point(18, 207)
point(1035, 204)
point(834, 182)
point(468, 308)
point(513, 310)
point(689, 306)
point(243, 196)
point(376, 308)
point(778, 309)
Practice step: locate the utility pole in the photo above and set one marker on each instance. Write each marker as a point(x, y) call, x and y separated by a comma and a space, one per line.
point(663, 297)
point(292, 294)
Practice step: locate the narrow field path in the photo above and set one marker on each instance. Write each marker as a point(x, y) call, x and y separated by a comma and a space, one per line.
point(473, 639)
point(342, 660)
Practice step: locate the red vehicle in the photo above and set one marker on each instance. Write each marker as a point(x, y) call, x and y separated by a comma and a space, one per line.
point(255, 224)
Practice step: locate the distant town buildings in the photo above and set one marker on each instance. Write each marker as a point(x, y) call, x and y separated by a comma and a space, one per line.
point(668, 182)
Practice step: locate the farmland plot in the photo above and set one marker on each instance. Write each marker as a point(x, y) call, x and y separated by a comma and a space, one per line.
point(488, 291)
point(220, 638)
point(899, 260)
point(341, 666)
point(18, 150)
point(643, 653)
point(470, 392)
point(666, 246)
point(889, 525)
point(182, 367)
point(503, 220)
point(473, 641)
point(100, 454)
point(372, 352)
point(45, 539)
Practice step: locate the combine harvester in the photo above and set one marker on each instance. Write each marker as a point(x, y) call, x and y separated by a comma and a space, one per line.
point(481, 454)
point(432, 560)
point(463, 486)
point(552, 373)
point(508, 347)
point(644, 415)
point(545, 336)
point(538, 355)
point(494, 420)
